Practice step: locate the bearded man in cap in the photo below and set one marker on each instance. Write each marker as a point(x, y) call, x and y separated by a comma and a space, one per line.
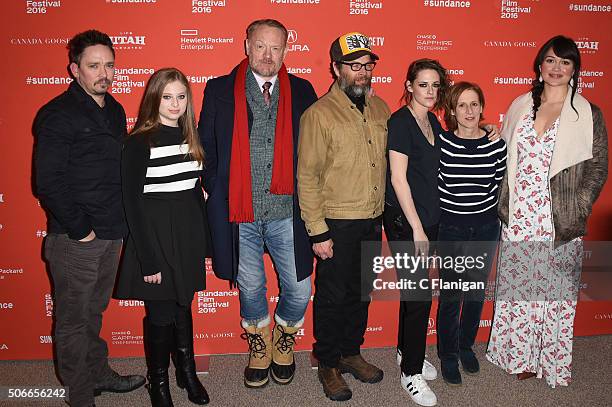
point(341, 183)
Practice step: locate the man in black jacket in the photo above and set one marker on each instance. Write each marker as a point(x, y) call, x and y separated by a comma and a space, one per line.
point(79, 135)
point(249, 128)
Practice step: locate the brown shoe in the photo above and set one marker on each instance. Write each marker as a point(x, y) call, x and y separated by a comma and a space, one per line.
point(334, 386)
point(360, 369)
point(525, 375)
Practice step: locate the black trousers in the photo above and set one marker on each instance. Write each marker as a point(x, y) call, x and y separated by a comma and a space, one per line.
point(459, 313)
point(165, 312)
point(413, 312)
point(343, 284)
point(83, 276)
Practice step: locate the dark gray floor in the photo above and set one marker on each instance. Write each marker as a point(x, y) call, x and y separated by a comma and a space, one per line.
point(592, 383)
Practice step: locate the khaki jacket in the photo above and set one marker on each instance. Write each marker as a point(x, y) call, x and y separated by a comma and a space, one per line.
point(578, 169)
point(341, 160)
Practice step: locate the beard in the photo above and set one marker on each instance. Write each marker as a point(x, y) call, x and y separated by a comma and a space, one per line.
point(265, 67)
point(351, 88)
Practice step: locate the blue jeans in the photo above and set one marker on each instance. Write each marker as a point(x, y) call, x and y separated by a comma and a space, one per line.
point(459, 312)
point(277, 236)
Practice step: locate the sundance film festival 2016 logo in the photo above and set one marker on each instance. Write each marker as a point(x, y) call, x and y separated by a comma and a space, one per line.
point(209, 301)
point(41, 7)
point(292, 42)
point(363, 7)
point(127, 79)
point(513, 9)
point(127, 40)
point(205, 6)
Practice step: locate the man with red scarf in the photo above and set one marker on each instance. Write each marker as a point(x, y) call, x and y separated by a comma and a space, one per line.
point(249, 128)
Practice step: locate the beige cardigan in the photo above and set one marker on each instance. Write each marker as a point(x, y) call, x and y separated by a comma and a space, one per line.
point(574, 139)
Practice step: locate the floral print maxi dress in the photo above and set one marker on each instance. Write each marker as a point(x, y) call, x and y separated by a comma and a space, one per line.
point(537, 285)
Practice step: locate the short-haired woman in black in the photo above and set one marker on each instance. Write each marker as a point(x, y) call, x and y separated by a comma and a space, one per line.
point(164, 259)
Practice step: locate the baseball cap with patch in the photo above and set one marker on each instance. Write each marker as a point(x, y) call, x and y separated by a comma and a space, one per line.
point(350, 47)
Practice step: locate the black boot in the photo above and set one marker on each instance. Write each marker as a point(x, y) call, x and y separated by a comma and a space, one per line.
point(158, 345)
point(186, 377)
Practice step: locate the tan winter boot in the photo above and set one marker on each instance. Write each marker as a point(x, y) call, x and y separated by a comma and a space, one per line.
point(283, 341)
point(260, 353)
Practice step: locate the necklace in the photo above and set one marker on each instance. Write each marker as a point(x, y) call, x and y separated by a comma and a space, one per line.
point(425, 126)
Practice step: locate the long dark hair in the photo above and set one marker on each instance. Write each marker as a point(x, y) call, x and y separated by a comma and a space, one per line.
point(565, 48)
point(421, 65)
point(148, 113)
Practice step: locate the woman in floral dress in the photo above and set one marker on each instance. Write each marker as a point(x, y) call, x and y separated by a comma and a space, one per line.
point(557, 165)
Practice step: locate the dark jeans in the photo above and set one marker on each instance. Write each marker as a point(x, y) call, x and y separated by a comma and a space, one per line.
point(340, 309)
point(83, 278)
point(413, 312)
point(459, 311)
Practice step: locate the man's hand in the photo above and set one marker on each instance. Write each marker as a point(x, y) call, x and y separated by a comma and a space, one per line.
point(91, 236)
point(324, 250)
point(154, 279)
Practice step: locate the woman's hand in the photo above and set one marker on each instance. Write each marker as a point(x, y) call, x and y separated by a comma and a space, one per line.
point(493, 131)
point(154, 279)
point(421, 243)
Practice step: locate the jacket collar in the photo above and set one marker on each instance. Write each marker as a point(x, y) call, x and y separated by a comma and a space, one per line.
point(90, 106)
point(340, 96)
point(574, 139)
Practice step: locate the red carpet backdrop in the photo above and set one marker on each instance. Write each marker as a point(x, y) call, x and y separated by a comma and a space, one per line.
point(489, 42)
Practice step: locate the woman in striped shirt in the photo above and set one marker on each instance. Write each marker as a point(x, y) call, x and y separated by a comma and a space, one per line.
point(471, 169)
point(164, 260)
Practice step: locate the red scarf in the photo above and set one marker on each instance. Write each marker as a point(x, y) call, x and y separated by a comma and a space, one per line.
point(240, 193)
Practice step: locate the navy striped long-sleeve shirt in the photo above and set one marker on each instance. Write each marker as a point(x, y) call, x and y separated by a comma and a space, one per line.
point(469, 176)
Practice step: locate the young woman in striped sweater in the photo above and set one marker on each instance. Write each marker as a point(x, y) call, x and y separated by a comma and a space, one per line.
point(471, 169)
point(164, 257)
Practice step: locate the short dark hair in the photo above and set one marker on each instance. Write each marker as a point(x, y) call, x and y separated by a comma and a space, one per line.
point(452, 98)
point(79, 42)
point(267, 22)
point(421, 65)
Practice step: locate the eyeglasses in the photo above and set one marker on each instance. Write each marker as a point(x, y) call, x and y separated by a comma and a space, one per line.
point(356, 66)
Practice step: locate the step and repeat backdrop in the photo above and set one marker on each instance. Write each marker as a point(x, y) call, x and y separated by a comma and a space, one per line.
point(491, 42)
